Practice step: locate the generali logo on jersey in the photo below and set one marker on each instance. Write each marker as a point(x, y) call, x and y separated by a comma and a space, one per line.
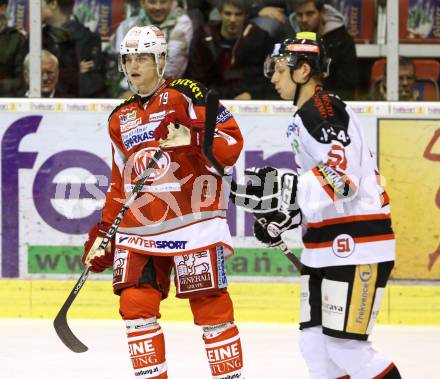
point(194, 272)
point(119, 266)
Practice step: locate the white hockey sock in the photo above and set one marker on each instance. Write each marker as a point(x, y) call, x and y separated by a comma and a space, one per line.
point(358, 358)
point(314, 352)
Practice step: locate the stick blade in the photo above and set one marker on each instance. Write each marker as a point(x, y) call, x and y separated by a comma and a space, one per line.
point(66, 335)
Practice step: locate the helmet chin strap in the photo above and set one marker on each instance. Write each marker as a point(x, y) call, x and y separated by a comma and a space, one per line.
point(156, 86)
point(298, 87)
point(297, 91)
point(160, 74)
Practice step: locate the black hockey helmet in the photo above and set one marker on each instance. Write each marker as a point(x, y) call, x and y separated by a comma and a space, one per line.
point(306, 46)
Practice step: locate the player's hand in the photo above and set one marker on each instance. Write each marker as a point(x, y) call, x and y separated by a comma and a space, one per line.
point(243, 96)
point(261, 234)
point(261, 192)
point(275, 13)
point(86, 66)
point(99, 259)
point(268, 228)
point(266, 190)
point(179, 133)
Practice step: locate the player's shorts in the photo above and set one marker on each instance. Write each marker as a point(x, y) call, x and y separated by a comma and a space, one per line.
point(196, 274)
point(345, 300)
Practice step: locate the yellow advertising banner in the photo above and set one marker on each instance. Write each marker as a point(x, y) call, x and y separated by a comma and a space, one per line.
point(409, 152)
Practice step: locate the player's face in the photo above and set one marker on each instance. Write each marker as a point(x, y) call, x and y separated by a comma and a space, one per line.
point(233, 19)
point(142, 72)
point(282, 80)
point(308, 18)
point(158, 10)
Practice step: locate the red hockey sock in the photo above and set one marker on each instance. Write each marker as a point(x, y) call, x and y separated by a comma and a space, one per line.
point(147, 354)
point(224, 354)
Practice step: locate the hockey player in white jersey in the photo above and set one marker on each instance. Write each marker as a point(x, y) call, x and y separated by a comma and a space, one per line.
point(349, 246)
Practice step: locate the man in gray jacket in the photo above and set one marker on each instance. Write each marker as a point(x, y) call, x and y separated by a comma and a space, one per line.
point(323, 19)
point(173, 21)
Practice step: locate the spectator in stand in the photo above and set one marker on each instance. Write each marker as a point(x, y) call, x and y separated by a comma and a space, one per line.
point(323, 19)
point(173, 21)
point(77, 48)
point(13, 46)
point(407, 83)
point(270, 15)
point(49, 75)
point(226, 56)
point(204, 7)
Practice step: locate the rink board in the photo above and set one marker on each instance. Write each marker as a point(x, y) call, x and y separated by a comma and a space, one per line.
point(404, 304)
point(55, 167)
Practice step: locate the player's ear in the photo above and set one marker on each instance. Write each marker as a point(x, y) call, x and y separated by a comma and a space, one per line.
point(162, 61)
point(305, 70)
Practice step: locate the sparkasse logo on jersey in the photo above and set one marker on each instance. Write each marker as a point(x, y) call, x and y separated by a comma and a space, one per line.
point(138, 135)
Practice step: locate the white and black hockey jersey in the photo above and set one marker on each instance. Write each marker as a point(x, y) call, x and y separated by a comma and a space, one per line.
point(346, 210)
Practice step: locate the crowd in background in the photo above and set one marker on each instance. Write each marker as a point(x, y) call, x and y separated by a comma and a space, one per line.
point(221, 43)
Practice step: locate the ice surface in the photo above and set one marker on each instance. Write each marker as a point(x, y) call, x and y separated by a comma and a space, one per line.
point(31, 349)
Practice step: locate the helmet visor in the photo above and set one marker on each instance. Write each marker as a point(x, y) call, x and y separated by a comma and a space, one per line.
point(273, 62)
point(269, 66)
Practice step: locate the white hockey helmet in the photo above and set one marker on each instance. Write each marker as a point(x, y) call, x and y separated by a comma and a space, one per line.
point(144, 40)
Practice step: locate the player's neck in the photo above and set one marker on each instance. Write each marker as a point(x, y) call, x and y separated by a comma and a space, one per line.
point(146, 91)
point(307, 91)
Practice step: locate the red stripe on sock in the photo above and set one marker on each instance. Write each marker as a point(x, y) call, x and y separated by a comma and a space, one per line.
point(384, 372)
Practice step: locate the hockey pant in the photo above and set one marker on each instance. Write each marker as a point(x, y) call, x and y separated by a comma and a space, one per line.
point(338, 308)
point(213, 311)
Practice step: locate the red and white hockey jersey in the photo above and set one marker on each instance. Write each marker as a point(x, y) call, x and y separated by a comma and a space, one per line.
point(182, 207)
point(346, 211)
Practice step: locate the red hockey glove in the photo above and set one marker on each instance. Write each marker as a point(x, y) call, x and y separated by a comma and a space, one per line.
point(98, 259)
point(179, 133)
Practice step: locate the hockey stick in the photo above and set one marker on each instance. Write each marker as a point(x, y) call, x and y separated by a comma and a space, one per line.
point(60, 323)
point(212, 100)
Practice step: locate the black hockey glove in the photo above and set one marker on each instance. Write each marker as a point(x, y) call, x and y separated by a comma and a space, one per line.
point(271, 197)
point(265, 190)
point(268, 228)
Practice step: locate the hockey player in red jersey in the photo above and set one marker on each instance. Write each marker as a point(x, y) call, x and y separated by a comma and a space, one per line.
point(178, 220)
point(349, 246)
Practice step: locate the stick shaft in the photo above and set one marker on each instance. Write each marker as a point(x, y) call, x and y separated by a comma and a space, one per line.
point(60, 322)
